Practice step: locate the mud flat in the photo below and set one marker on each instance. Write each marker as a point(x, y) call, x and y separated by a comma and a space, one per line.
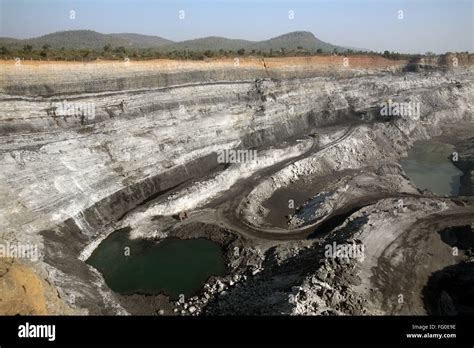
point(150, 152)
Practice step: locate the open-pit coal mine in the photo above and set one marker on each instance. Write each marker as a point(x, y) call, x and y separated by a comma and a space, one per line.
point(316, 185)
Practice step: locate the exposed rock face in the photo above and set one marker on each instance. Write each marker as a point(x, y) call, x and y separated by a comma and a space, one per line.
point(65, 162)
point(83, 145)
point(22, 291)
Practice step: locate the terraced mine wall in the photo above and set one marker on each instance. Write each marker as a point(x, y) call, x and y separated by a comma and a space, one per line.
point(157, 125)
point(149, 141)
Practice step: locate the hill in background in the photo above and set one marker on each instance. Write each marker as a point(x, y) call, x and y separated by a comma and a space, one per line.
point(88, 39)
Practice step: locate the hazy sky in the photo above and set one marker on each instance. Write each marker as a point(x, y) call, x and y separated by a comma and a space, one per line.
point(427, 25)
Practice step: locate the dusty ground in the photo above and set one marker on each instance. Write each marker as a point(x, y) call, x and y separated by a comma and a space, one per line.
point(23, 292)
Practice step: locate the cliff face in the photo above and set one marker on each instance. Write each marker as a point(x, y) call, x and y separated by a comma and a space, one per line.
point(83, 144)
point(34, 78)
point(64, 153)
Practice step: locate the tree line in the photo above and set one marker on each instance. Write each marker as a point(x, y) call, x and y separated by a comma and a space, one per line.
point(46, 52)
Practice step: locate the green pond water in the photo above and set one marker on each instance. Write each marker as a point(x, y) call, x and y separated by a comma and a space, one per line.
point(173, 266)
point(428, 166)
